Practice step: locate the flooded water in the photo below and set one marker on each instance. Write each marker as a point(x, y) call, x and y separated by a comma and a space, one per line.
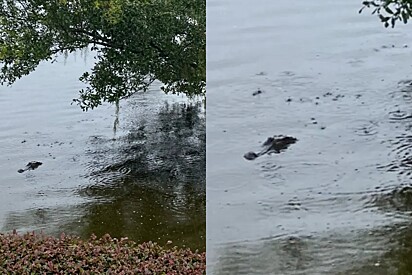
point(337, 201)
point(136, 171)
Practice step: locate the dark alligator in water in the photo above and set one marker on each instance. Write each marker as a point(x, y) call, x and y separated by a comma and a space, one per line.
point(273, 144)
point(30, 166)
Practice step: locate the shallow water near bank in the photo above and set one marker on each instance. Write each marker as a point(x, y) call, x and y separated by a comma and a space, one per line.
point(136, 172)
point(335, 202)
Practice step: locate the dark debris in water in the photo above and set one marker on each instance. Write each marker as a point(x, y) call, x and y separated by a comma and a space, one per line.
point(261, 73)
point(258, 92)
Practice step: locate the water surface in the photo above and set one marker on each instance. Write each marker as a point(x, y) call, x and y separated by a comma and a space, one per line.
point(337, 81)
point(137, 171)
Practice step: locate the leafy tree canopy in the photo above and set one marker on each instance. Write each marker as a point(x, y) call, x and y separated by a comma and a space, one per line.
point(390, 11)
point(135, 41)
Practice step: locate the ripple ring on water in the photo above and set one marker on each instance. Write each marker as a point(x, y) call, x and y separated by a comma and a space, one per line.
point(125, 170)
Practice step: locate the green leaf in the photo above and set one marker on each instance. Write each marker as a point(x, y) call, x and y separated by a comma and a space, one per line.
point(388, 10)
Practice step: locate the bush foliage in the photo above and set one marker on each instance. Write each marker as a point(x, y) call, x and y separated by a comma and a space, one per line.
point(39, 254)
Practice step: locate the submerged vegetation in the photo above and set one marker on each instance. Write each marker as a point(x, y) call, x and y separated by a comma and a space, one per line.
point(37, 254)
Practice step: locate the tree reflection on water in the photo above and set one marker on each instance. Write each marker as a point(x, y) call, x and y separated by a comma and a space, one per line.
point(147, 185)
point(150, 183)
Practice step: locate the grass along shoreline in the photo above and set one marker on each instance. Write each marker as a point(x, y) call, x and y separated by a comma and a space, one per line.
point(37, 253)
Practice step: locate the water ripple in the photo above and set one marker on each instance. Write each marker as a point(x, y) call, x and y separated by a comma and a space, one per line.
point(399, 115)
point(369, 128)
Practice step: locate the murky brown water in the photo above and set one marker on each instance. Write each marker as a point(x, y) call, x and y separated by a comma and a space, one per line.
point(139, 173)
point(335, 202)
